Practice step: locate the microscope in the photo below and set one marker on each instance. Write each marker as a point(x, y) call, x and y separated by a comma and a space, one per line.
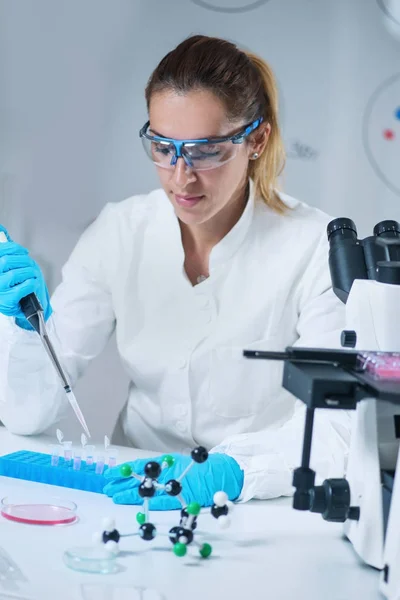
point(363, 378)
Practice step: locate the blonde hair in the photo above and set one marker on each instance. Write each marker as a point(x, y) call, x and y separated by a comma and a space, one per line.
point(266, 170)
point(244, 82)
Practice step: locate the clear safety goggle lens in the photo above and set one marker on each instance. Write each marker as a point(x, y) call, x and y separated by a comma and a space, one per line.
point(200, 157)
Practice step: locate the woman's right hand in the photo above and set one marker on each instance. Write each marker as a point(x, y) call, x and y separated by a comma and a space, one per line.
point(20, 275)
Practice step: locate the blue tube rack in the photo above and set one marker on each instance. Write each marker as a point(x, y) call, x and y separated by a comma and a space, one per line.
point(36, 466)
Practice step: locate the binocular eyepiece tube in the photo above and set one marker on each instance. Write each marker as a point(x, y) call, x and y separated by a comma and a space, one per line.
point(376, 257)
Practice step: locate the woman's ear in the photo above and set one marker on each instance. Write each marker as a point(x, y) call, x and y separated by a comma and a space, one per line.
point(258, 140)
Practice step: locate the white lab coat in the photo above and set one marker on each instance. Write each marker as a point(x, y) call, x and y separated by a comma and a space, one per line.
point(269, 287)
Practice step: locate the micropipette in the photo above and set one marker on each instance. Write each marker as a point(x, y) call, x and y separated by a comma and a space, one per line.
point(33, 312)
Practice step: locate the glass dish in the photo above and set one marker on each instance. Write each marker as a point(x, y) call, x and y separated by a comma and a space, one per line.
point(91, 559)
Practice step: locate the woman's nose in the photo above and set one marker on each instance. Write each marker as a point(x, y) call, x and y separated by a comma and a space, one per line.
point(182, 174)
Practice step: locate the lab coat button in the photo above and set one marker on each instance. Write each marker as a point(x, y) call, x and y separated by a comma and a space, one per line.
point(181, 426)
point(181, 362)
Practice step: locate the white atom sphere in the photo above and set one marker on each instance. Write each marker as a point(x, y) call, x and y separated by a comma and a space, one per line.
point(224, 522)
point(220, 498)
point(108, 524)
point(112, 547)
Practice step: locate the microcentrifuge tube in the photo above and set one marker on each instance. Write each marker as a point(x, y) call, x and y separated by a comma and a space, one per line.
point(99, 465)
point(77, 460)
point(67, 451)
point(112, 456)
point(55, 455)
point(89, 455)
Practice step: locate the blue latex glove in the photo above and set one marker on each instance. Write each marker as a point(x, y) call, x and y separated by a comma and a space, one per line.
point(219, 473)
point(19, 276)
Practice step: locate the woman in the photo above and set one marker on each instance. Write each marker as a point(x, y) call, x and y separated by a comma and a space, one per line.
point(190, 275)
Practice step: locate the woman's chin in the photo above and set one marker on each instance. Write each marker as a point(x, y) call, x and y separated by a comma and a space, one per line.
point(190, 216)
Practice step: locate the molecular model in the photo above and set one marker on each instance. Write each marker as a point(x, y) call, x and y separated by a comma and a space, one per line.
point(181, 535)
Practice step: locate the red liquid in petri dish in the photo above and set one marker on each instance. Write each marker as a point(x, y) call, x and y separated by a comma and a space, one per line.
point(39, 514)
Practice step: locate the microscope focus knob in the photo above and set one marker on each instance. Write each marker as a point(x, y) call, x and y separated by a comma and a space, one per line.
point(318, 499)
point(332, 501)
point(348, 338)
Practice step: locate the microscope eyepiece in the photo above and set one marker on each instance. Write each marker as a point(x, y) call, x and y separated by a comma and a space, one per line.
point(346, 256)
point(346, 227)
point(387, 228)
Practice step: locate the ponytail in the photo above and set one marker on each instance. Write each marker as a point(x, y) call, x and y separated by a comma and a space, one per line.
point(266, 170)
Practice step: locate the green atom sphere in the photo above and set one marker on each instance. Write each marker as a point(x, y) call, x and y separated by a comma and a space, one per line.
point(168, 459)
point(180, 549)
point(193, 508)
point(140, 518)
point(125, 470)
point(205, 550)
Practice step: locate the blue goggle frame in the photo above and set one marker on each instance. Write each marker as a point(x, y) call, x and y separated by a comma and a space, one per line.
point(237, 138)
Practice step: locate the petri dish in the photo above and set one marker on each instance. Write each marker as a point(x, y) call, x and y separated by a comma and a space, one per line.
point(91, 559)
point(50, 511)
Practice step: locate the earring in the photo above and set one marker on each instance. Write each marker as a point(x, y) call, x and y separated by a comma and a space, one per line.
point(255, 155)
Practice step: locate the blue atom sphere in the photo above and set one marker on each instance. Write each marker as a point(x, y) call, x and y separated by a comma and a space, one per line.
point(397, 113)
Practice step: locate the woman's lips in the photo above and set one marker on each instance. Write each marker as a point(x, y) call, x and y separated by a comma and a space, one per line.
point(187, 201)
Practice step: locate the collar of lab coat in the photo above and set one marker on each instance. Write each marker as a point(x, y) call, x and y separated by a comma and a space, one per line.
point(234, 238)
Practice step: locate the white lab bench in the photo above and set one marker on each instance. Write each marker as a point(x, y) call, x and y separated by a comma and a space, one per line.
point(271, 552)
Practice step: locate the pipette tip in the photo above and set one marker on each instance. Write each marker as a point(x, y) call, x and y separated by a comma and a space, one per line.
point(79, 415)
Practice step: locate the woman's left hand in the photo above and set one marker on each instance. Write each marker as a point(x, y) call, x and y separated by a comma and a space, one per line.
point(219, 472)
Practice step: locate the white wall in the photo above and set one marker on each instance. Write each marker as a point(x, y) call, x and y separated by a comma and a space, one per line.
point(72, 76)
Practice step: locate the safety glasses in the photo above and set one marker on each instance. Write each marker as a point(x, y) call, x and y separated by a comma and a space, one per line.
point(200, 155)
